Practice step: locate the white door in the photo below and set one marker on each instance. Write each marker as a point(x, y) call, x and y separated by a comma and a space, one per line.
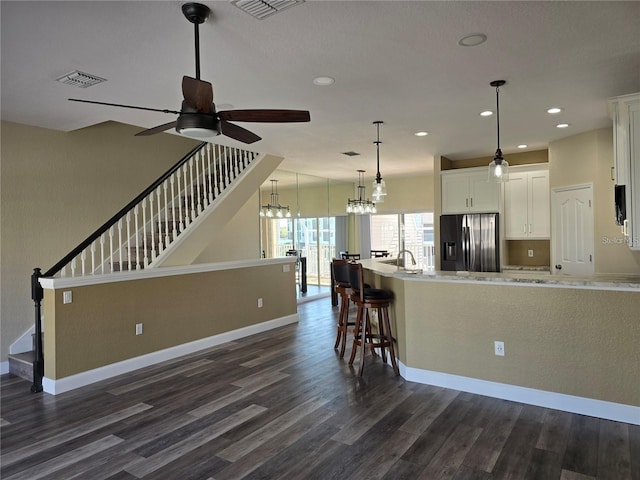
point(572, 214)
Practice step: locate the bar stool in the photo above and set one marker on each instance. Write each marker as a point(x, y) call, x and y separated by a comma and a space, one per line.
point(342, 287)
point(366, 299)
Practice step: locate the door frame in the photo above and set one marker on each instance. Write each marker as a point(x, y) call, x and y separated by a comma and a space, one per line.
point(554, 214)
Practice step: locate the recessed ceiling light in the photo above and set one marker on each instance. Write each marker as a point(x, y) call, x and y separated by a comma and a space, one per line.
point(421, 134)
point(562, 125)
point(486, 113)
point(523, 145)
point(472, 40)
point(554, 110)
point(323, 81)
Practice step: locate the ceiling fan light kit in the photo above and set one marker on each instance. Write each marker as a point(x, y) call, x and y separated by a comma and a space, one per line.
point(198, 117)
point(499, 167)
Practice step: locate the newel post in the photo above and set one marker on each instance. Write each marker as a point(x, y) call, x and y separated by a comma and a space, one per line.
point(37, 294)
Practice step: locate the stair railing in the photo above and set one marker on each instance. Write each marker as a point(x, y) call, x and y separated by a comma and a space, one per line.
point(145, 228)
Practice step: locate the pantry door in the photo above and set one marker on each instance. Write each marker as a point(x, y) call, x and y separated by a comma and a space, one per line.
point(572, 233)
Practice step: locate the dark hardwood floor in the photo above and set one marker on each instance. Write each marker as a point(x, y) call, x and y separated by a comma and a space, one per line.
point(283, 405)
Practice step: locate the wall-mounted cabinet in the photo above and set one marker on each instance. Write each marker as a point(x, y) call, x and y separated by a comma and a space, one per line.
point(625, 111)
point(526, 203)
point(468, 190)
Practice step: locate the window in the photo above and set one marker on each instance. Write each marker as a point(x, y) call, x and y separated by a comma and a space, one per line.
point(314, 237)
point(405, 231)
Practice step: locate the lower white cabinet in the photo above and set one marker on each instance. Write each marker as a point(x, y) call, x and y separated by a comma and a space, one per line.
point(526, 203)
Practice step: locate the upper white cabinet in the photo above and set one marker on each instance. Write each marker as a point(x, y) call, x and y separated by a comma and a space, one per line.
point(625, 111)
point(468, 190)
point(526, 203)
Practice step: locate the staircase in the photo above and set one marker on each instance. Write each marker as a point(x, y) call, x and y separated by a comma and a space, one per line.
point(144, 232)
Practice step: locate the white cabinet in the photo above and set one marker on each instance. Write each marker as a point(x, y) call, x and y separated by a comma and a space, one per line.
point(625, 111)
point(526, 203)
point(468, 190)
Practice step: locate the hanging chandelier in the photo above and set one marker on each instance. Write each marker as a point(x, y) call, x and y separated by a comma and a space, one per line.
point(379, 187)
point(360, 205)
point(499, 167)
point(273, 208)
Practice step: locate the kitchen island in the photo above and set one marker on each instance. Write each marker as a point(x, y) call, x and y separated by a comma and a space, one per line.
point(569, 343)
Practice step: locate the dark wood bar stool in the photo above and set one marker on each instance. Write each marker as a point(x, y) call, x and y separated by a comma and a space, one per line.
point(342, 287)
point(366, 299)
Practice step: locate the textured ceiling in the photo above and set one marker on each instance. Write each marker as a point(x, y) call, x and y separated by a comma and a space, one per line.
point(394, 61)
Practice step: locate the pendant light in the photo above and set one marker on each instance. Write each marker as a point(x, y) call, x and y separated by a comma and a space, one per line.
point(379, 187)
point(360, 205)
point(499, 167)
point(273, 208)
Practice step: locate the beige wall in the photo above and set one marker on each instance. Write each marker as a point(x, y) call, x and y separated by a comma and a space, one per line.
point(516, 158)
point(588, 158)
point(409, 194)
point(98, 328)
point(56, 189)
point(577, 342)
point(239, 239)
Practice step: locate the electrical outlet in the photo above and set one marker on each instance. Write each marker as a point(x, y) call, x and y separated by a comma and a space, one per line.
point(67, 297)
point(499, 348)
point(259, 303)
point(138, 329)
point(530, 253)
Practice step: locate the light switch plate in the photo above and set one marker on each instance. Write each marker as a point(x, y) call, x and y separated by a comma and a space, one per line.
point(286, 268)
point(67, 297)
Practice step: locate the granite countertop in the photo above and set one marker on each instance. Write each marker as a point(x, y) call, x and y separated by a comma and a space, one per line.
point(516, 277)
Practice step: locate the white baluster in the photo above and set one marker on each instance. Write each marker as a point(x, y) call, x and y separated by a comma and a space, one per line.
point(152, 227)
point(186, 195)
point(83, 260)
point(63, 272)
point(136, 233)
point(181, 193)
point(73, 267)
point(93, 257)
point(193, 198)
point(145, 255)
point(174, 220)
point(167, 230)
point(102, 237)
point(128, 240)
point(196, 161)
point(111, 247)
point(216, 171)
point(120, 244)
point(234, 161)
point(159, 223)
point(209, 173)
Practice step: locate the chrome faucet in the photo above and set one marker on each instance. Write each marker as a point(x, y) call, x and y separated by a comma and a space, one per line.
point(413, 260)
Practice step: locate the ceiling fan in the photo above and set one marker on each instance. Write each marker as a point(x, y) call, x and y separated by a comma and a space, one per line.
point(197, 116)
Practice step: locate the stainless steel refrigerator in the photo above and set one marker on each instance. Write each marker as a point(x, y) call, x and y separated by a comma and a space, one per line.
point(469, 242)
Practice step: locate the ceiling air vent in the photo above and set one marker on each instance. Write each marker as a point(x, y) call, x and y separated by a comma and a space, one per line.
point(80, 79)
point(350, 154)
point(261, 9)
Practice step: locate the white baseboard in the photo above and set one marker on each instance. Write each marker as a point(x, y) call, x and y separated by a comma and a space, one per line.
point(72, 382)
point(531, 396)
point(4, 367)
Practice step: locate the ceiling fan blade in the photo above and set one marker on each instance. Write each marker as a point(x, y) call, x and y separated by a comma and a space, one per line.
point(158, 129)
point(197, 94)
point(265, 115)
point(238, 133)
point(162, 110)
